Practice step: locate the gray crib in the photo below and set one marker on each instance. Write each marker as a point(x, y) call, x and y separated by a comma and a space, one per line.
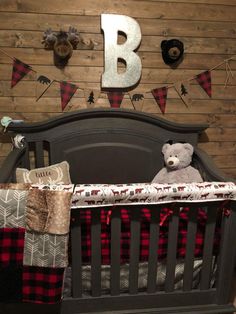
point(118, 146)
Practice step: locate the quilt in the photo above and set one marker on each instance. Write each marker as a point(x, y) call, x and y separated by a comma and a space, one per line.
point(34, 228)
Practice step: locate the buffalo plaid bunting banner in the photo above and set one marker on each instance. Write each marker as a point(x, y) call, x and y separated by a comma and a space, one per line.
point(160, 95)
point(67, 91)
point(115, 99)
point(42, 284)
point(19, 70)
point(204, 80)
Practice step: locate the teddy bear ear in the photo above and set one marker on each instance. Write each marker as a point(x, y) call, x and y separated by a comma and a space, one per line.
point(189, 147)
point(165, 147)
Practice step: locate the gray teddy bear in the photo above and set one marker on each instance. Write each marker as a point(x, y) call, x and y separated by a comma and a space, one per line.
point(177, 159)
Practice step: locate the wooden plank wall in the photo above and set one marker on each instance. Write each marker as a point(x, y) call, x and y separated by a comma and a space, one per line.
point(206, 27)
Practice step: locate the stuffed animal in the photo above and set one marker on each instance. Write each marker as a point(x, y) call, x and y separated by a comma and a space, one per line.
point(177, 159)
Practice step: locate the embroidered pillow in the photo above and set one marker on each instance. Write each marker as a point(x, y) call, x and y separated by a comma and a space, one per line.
point(54, 174)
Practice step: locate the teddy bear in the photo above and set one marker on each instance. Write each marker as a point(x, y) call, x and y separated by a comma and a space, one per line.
point(177, 159)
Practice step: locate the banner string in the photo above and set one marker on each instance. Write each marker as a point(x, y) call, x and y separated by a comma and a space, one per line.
point(228, 70)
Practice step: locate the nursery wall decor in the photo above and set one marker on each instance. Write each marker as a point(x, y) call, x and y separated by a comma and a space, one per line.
point(112, 24)
point(62, 43)
point(172, 51)
point(115, 96)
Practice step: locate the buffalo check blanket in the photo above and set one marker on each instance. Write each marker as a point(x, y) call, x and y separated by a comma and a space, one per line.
point(33, 253)
point(35, 224)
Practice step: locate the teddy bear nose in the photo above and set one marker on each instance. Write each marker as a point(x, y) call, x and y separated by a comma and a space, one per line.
point(170, 163)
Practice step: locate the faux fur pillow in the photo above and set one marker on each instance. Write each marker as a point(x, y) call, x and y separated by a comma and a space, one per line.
point(55, 174)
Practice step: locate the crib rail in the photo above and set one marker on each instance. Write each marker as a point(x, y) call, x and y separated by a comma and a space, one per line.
point(205, 298)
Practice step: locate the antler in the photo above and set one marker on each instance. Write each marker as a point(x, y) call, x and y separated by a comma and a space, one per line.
point(73, 36)
point(49, 38)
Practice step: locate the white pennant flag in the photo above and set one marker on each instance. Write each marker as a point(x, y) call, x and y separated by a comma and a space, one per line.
point(42, 85)
point(137, 99)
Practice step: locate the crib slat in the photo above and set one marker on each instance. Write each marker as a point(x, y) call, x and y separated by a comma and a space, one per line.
point(134, 249)
point(96, 252)
point(26, 160)
point(153, 248)
point(39, 158)
point(208, 246)
point(172, 248)
point(190, 246)
point(115, 251)
point(76, 254)
point(227, 256)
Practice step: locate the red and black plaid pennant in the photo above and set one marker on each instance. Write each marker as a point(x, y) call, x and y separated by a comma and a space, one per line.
point(115, 99)
point(19, 70)
point(160, 95)
point(67, 91)
point(204, 80)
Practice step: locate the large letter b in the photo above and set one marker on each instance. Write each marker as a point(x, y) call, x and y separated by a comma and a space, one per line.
point(111, 25)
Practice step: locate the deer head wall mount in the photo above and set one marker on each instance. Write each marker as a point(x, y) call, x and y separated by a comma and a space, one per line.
point(62, 43)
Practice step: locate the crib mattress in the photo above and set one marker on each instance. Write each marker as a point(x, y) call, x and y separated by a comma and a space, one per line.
point(142, 277)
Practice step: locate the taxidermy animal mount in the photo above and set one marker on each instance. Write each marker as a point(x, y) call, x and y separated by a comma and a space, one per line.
point(62, 43)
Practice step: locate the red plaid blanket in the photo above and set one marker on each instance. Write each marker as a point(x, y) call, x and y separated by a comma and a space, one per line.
point(85, 218)
point(25, 283)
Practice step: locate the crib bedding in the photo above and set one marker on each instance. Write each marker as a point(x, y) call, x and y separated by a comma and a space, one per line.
point(98, 195)
point(38, 254)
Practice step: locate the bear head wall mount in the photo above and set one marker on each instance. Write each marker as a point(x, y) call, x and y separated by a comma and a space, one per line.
point(172, 51)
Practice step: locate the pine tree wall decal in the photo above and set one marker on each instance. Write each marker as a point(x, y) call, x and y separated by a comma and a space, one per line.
point(183, 90)
point(91, 98)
